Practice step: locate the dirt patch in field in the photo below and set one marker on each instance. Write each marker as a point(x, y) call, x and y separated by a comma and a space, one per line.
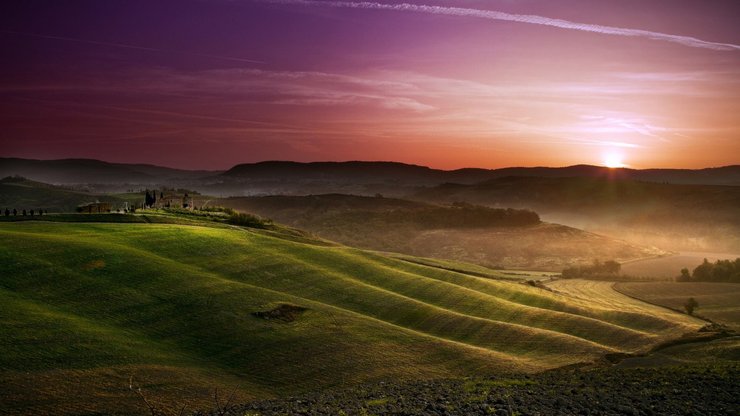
point(94, 265)
point(284, 312)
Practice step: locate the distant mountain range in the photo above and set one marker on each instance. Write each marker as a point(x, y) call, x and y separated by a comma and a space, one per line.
point(400, 172)
point(294, 177)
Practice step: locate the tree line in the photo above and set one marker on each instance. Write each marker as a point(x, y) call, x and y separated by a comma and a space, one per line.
point(719, 271)
point(15, 212)
point(463, 215)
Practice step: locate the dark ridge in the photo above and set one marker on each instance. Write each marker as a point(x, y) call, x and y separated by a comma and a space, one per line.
point(75, 171)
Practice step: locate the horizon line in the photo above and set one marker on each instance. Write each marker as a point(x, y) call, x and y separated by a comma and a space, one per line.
point(364, 161)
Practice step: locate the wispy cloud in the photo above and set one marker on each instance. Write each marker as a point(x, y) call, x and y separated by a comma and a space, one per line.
point(520, 18)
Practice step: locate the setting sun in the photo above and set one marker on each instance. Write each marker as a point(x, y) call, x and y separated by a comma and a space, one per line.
point(613, 160)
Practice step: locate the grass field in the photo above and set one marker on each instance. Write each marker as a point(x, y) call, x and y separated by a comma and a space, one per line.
point(84, 306)
point(719, 302)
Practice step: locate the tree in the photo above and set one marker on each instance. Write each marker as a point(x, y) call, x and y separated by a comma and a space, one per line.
point(685, 276)
point(690, 305)
point(703, 272)
point(7, 212)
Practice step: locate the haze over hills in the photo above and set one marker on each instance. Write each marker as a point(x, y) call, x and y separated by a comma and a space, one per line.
point(671, 216)
point(446, 232)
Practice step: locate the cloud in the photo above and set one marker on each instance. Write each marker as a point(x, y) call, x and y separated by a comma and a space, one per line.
point(521, 18)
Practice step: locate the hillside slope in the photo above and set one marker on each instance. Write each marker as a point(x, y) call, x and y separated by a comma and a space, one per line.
point(21, 193)
point(85, 306)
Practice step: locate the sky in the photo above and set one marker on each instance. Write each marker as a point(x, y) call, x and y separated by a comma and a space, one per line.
point(207, 84)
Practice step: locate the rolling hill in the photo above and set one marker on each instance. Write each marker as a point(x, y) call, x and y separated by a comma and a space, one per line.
point(21, 193)
point(402, 226)
point(187, 308)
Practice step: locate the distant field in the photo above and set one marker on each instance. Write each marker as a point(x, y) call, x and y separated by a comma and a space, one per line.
point(719, 351)
point(717, 301)
point(602, 293)
point(84, 306)
point(669, 267)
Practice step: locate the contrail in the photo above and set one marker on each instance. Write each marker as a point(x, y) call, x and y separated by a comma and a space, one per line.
point(521, 18)
point(126, 46)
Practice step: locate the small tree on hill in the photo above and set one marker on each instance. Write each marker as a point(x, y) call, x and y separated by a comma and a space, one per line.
point(690, 305)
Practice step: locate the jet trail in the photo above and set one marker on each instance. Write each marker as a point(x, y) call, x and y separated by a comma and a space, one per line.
point(521, 18)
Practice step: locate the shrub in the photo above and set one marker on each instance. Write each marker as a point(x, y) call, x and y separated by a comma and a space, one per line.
point(247, 220)
point(690, 305)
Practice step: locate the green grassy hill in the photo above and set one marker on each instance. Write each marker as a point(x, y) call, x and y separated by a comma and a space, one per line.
point(84, 306)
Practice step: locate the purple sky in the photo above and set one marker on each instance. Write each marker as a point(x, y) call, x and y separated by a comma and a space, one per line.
point(212, 83)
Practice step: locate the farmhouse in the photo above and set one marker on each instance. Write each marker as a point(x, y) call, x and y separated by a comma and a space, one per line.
point(94, 207)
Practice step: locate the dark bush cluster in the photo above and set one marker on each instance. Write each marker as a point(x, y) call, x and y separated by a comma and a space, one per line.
point(719, 271)
point(247, 220)
point(607, 269)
